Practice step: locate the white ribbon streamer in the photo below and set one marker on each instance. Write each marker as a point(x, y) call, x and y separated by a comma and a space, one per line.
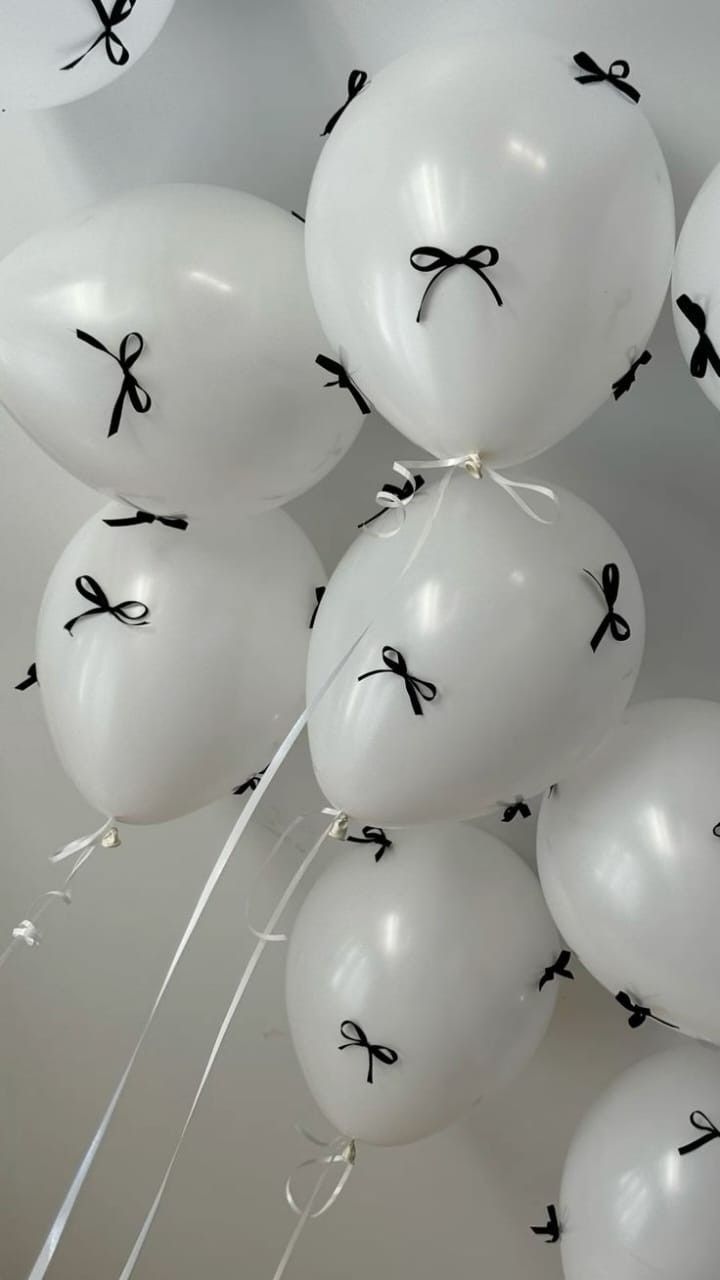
point(342, 1151)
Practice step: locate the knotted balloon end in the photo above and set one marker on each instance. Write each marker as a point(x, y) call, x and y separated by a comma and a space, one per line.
point(111, 839)
point(339, 827)
point(473, 464)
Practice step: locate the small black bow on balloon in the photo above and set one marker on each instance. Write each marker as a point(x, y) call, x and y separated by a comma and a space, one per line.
point(376, 836)
point(319, 593)
point(356, 83)
point(130, 612)
point(705, 1126)
point(558, 969)
point(552, 789)
point(552, 1228)
point(396, 665)
point(146, 517)
point(716, 830)
point(297, 215)
point(251, 784)
point(428, 258)
point(639, 1013)
point(704, 353)
point(342, 379)
point(518, 806)
point(624, 384)
point(356, 1039)
point(30, 679)
point(116, 51)
point(131, 348)
point(616, 74)
point(403, 491)
point(618, 626)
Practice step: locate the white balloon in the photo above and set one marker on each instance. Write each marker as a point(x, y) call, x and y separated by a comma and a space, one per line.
point(214, 283)
point(696, 285)
point(490, 143)
point(157, 720)
point(435, 953)
point(39, 39)
point(630, 864)
point(498, 613)
point(632, 1207)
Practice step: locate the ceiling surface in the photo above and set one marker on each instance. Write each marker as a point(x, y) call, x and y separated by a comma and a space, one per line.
point(236, 92)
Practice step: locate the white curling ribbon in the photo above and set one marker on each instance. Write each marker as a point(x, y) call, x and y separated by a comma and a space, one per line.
point(84, 843)
point(340, 1152)
point(337, 826)
point(27, 932)
point(57, 1229)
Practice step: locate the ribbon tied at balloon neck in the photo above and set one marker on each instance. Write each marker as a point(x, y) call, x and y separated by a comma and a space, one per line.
point(356, 1038)
point(623, 384)
point(30, 679)
point(613, 621)
point(117, 53)
point(147, 517)
point(518, 808)
point(616, 74)
point(418, 690)
point(639, 1013)
point(705, 1126)
point(552, 1229)
point(430, 259)
point(343, 380)
point(132, 613)
point(704, 353)
point(131, 349)
point(558, 969)
point(355, 85)
point(373, 836)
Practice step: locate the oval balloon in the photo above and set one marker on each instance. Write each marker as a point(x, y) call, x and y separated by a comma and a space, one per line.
point(183, 669)
point(491, 666)
point(162, 347)
point(696, 286)
point(52, 53)
point(641, 1183)
point(435, 1007)
point(489, 242)
point(629, 860)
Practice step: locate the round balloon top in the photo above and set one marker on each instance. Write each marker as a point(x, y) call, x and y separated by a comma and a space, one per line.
point(489, 239)
point(696, 288)
point(53, 52)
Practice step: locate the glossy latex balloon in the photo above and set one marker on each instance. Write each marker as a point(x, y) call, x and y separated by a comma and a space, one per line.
point(497, 613)
point(193, 383)
point(435, 953)
point(631, 1205)
point(696, 287)
point(54, 51)
point(152, 721)
point(629, 859)
point(561, 190)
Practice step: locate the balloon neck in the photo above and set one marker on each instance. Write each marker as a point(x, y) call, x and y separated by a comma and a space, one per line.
point(473, 464)
point(339, 828)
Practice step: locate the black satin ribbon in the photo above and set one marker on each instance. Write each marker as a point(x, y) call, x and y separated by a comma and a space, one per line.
point(396, 665)
point(616, 74)
point(705, 1126)
point(30, 679)
point(92, 591)
point(356, 83)
point(404, 491)
point(639, 1013)
point(624, 384)
point(356, 1039)
point(552, 1228)
point(438, 260)
point(376, 836)
point(343, 380)
point(297, 215)
point(558, 969)
point(613, 622)
point(251, 784)
point(518, 806)
point(146, 517)
point(716, 830)
point(130, 388)
point(116, 51)
point(319, 593)
point(552, 789)
point(704, 353)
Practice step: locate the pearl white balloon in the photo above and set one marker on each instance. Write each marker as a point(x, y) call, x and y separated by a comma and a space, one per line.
point(214, 282)
point(436, 953)
point(154, 721)
point(696, 275)
point(498, 613)
point(630, 864)
point(39, 38)
point(631, 1206)
point(490, 142)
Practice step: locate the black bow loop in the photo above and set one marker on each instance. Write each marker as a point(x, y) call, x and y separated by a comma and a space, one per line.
point(356, 1039)
point(639, 1013)
point(618, 626)
point(552, 1228)
point(131, 348)
point(428, 258)
point(356, 83)
point(130, 612)
point(396, 665)
point(343, 380)
point(558, 969)
point(624, 383)
point(404, 492)
point(616, 74)
point(146, 517)
point(117, 53)
point(518, 806)
point(251, 784)
point(704, 353)
point(705, 1126)
point(376, 836)
point(30, 679)
point(319, 593)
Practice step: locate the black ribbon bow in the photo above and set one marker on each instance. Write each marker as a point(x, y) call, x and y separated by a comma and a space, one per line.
point(705, 1126)
point(519, 806)
point(116, 51)
point(403, 491)
point(251, 784)
point(342, 379)
point(131, 348)
point(618, 626)
point(356, 1039)
point(356, 83)
point(297, 215)
point(552, 1228)
point(616, 74)
point(624, 384)
point(146, 517)
point(704, 353)
point(130, 612)
point(558, 969)
point(319, 593)
point(716, 829)
point(639, 1013)
point(396, 665)
point(30, 679)
point(376, 836)
point(438, 260)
